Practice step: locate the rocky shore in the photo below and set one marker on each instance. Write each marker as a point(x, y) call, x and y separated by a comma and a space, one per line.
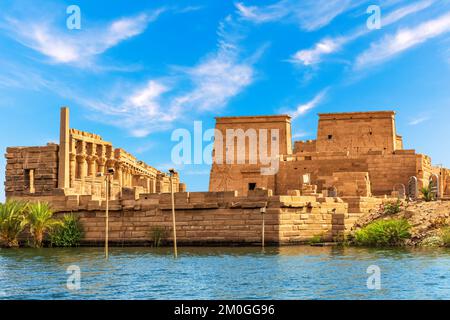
point(428, 221)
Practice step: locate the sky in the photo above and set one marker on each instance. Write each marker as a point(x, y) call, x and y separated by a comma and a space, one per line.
point(135, 71)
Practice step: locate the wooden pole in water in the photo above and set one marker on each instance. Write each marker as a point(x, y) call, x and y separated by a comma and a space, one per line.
point(174, 226)
point(263, 213)
point(107, 218)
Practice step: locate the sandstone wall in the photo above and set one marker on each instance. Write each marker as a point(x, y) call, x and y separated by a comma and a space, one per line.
point(233, 174)
point(31, 170)
point(208, 217)
point(390, 169)
point(304, 146)
point(320, 167)
point(357, 132)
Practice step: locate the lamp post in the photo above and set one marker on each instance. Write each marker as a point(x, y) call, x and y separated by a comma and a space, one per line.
point(108, 175)
point(174, 226)
point(262, 210)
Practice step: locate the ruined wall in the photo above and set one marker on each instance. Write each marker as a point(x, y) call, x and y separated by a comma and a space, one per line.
point(357, 132)
point(208, 217)
point(351, 184)
point(31, 170)
point(78, 166)
point(304, 146)
point(387, 170)
point(240, 178)
point(320, 167)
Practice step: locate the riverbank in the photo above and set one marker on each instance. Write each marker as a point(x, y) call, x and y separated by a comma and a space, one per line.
point(428, 221)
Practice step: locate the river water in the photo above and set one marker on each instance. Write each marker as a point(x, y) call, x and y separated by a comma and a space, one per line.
point(297, 272)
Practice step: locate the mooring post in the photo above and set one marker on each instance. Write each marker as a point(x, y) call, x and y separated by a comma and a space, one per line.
point(175, 251)
point(107, 218)
point(263, 213)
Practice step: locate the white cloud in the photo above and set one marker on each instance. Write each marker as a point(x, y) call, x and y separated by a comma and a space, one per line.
point(209, 85)
point(300, 134)
point(418, 120)
point(330, 45)
point(310, 15)
point(216, 80)
point(263, 14)
point(407, 38)
point(313, 56)
point(304, 108)
point(140, 112)
point(219, 76)
point(76, 47)
point(405, 11)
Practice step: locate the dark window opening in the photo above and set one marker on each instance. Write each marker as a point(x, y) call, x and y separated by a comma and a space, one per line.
point(330, 136)
point(252, 186)
point(308, 158)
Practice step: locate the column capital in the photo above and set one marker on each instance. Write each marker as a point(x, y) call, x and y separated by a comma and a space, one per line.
point(81, 156)
point(91, 158)
point(101, 161)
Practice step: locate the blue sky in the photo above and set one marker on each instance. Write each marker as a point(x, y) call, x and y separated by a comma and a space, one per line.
point(137, 70)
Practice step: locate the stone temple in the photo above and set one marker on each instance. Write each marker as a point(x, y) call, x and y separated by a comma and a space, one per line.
point(298, 191)
point(355, 154)
point(73, 167)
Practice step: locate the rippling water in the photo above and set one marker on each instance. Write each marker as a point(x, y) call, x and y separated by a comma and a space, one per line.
point(300, 272)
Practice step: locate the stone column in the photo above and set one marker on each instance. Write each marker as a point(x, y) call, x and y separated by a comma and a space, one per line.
point(119, 174)
point(82, 167)
point(73, 167)
point(91, 166)
point(64, 136)
point(101, 164)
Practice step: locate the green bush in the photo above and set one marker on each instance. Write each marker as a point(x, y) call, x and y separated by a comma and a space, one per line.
point(392, 207)
point(157, 234)
point(380, 233)
point(427, 193)
point(445, 234)
point(316, 239)
point(68, 234)
point(12, 222)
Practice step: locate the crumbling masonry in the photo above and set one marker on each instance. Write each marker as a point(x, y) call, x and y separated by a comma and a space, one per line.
point(355, 154)
point(75, 167)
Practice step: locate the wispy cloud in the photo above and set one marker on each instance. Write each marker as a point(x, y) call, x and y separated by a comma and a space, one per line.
point(215, 80)
point(187, 91)
point(331, 45)
point(418, 120)
point(75, 47)
point(310, 15)
point(405, 39)
point(140, 112)
point(303, 108)
point(314, 55)
point(300, 134)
